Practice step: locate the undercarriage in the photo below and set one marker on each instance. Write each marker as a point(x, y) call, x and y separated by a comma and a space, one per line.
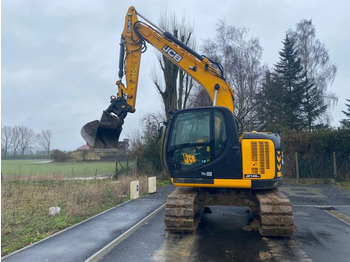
point(271, 210)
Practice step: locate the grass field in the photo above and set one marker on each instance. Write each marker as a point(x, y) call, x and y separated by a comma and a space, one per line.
point(42, 167)
point(30, 187)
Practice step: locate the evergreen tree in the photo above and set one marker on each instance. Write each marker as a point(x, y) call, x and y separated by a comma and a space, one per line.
point(346, 122)
point(290, 99)
point(314, 104)
point(270, 102)
point(293, 83)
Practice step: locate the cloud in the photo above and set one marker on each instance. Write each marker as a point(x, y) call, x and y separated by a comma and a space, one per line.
point(60, 58)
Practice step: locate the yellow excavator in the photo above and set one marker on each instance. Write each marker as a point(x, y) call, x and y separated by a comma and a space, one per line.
point(210, 161)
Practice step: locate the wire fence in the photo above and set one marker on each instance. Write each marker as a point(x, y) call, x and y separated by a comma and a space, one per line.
point(330, 165)
point(335, 165)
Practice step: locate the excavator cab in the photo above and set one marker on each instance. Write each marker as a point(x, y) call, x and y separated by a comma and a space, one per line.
point(204, 148)
point(201, 145)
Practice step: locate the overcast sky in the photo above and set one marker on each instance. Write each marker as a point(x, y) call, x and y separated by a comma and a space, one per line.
point(59, 57)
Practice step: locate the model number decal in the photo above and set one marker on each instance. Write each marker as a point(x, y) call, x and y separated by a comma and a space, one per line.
point(206, 173)
point(172, 53)
point(252, 176)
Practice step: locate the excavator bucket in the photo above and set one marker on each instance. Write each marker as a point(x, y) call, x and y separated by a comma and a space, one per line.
point(104, 133)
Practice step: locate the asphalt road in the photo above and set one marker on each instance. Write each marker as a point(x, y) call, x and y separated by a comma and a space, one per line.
point(82, 241)
point(322, 217)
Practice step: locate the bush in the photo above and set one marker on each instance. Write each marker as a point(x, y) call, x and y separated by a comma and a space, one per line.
point(146, 146)
point(60, 156)
point(315, 153)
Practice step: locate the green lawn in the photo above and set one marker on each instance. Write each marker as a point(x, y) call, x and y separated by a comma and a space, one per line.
point(42, 167)
point(30, 187)
point(25, 205)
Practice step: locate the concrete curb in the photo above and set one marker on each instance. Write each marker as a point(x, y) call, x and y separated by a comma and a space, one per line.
point(105, 250)
point(308, 181)
point(62, 231)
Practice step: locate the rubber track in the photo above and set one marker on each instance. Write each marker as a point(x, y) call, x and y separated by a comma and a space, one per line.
point(271, 208)
point(181, 213)
point(276, 214)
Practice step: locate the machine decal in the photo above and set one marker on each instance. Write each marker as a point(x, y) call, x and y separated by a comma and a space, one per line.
point(172, 53)
point(279, 161)
point(129, 25)
point(252, 176)
point(133, 72)
point(188, 158)
point(206, 173)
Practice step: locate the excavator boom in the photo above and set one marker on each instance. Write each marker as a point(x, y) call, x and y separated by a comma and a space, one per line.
point(104, 133)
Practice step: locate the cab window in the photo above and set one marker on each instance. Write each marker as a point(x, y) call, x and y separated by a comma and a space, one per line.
point(190, 139)
point(219, 133)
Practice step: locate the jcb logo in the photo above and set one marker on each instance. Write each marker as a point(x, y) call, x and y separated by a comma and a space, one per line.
point(172, 53)
point(188, 158)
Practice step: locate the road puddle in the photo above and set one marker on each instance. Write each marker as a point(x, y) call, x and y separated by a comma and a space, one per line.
point(176, 248)
point(284, 250)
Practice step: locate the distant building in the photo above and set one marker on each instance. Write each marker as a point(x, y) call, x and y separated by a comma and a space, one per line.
point(123, 146)
point(83, 147)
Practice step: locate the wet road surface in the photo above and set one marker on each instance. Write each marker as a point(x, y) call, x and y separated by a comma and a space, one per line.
point(322, 217)
point(83, 240)
point(321, 212)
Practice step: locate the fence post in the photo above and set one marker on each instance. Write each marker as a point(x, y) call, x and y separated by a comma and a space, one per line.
point(334, 166)
point(116, 167)
point(347, 175)
point(297, 166)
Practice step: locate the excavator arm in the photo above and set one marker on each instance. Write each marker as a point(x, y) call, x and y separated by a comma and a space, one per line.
point(105, 133)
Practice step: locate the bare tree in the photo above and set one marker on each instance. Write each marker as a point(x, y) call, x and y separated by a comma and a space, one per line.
point(199, 97)
point(136, 143)
point(240, 58)
point(44, 139)
point(15, 139)
point(315, 59)
point(6, 133)
point(26, 138)
point(176, 85)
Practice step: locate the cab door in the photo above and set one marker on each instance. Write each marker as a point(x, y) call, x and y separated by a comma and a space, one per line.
point(190, 146)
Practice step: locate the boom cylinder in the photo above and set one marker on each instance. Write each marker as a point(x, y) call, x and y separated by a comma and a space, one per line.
point(121, 59)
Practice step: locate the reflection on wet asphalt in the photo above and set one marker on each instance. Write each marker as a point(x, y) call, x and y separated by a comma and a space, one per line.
point(220, 238)
point(319, 236)
point(176, 248)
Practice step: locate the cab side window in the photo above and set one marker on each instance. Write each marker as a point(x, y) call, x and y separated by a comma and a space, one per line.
point(219, 133)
